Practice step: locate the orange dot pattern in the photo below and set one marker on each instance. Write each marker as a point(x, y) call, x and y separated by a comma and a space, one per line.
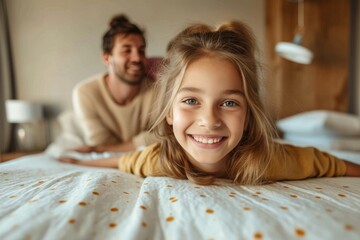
point(349, 227)
point(300, 232)
point(209, 210)
point(258, 235)
point(82, 204)
point(173, 199)
point(232, 194)
point(112, 225)
point(251, 212)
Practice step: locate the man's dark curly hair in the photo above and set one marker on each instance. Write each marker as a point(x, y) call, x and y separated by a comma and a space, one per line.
point(119, 24)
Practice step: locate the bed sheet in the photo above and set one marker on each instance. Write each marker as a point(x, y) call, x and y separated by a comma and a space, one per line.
point(45, 199)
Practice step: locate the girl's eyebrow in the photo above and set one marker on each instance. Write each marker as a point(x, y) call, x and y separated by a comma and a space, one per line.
point(234, 92)
point(198, 90)
point(189, 89)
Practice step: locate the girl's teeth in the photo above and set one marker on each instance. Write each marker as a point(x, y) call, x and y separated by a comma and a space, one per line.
point(207, 140)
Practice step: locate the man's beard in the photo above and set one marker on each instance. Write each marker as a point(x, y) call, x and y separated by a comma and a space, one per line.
point(122, 77)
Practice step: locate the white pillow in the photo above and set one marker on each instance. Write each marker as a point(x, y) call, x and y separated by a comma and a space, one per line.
point(322, 122)
point(324, 142)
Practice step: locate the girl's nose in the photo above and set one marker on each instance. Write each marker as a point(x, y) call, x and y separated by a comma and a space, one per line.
point(209, 118)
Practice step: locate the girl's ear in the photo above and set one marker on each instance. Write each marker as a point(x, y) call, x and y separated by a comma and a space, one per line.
point(169, 119)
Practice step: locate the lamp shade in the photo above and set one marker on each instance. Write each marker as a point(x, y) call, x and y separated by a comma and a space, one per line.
point(18, 111)
point(294, 52)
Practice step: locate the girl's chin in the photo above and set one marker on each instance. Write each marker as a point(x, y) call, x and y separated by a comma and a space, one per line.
point(207, 164)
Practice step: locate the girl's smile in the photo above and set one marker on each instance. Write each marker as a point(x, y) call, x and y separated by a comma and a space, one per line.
point(204, 141)
point(209, 112)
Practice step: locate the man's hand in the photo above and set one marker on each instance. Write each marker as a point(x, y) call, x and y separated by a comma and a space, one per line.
point(87, 149)
point(69, 160)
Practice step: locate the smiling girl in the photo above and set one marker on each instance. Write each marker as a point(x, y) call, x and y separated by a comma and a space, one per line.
point(210, 120)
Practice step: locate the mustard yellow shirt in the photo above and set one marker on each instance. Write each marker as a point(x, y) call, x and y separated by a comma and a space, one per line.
point(103, 121)
point(296, 163)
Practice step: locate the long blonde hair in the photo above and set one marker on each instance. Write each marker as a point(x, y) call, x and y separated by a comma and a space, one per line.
point(233, 41)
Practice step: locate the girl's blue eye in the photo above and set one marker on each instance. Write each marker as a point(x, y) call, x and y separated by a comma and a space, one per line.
point(190, 101)
point(230, 104)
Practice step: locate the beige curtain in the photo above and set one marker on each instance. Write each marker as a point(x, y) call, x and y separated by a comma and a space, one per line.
point(7, 80)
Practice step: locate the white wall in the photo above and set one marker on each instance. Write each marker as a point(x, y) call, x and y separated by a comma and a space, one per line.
point(357, 62)
point(56, 43)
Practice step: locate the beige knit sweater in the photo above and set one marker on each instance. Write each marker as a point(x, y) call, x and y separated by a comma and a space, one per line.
point(105, 122)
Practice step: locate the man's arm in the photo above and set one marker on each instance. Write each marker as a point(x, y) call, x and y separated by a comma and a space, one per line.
point(103, 162)
point(117, 147)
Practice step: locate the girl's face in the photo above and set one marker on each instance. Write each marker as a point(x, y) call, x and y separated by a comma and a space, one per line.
point(209, 112)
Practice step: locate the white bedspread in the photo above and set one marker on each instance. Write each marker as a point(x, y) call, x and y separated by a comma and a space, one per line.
point(44, 199)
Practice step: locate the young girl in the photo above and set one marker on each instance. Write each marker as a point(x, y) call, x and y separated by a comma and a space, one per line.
point(210, 121)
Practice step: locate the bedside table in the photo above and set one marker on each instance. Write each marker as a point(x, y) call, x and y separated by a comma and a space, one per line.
point(9, 156)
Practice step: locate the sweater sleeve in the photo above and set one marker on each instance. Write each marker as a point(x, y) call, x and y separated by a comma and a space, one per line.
point(294, 163)
point(144, 138)
point(142, 163)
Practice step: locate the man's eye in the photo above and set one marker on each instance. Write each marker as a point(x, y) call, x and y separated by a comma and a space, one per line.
point(190, 101)
point(126, 51)
point(230, 104)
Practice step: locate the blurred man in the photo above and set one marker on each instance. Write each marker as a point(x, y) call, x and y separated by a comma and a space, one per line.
point(113, 108)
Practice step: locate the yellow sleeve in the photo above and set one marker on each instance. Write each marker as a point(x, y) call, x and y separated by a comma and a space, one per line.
point(142, 163)
point(294, 163)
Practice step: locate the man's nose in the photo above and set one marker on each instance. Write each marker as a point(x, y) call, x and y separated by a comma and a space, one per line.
point(136, 56)
point(209, 117)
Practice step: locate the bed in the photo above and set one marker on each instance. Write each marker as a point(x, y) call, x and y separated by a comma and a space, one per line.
point(42, 198)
